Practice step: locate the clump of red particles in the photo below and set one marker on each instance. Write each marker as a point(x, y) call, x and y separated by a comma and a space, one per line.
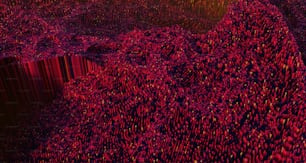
point(234, 94)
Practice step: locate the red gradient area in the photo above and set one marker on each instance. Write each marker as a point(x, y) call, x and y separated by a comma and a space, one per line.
point(151, 91)
point(25, 89)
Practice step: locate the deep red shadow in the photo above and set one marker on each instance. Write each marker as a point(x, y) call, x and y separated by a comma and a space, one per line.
point(24, 91)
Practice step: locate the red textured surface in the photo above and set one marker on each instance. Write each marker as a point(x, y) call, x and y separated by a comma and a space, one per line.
point(236, 92)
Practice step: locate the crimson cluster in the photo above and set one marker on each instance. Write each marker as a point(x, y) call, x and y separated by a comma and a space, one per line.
point(235, 93)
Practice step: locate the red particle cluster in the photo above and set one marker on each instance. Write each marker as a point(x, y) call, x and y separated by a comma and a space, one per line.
point(236, 93)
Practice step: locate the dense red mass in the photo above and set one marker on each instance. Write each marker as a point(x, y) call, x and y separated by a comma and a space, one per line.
point(236, 93)
point(35, 30)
